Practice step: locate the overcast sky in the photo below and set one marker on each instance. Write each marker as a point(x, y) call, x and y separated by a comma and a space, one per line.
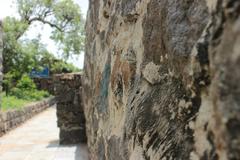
point(8, 8)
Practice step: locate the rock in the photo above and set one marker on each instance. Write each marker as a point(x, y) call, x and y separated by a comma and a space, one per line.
point(151, 73)
point(176, 94)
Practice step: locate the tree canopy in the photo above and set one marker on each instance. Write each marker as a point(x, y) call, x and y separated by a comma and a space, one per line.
point(20, 55)
point(64, 16)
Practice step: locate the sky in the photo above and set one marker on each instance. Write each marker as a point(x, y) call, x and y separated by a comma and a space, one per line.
point(8, 8)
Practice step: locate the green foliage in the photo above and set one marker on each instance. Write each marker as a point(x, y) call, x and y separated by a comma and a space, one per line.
point(26, 89)
point(26, 83)
point(60, 66)
point(34, 55)
point(8, 81)
point(29, 95)
point(72, 40)
point(20, 56)
point(65, 18)
point(24, 92)
point(12, 29)
point(11, 102)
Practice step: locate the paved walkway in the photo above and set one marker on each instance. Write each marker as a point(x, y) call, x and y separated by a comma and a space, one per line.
point(37, 139)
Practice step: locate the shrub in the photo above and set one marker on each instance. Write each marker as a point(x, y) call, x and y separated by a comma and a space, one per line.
point(26, 89)
point(26, 83)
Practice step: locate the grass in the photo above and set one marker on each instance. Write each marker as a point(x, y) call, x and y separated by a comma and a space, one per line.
point(11, 102)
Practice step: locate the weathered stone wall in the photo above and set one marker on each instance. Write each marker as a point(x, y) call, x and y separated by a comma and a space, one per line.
point(1, 59)
point(70, 116)
point(13, 118)
point(161, 79)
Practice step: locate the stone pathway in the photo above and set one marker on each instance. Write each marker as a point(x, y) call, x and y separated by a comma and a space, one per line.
point(37, 139)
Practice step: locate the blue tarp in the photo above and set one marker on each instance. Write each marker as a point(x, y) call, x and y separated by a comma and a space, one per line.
point(42, 74)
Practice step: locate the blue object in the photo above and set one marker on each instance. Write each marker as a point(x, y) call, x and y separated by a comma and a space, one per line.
point(43, 74)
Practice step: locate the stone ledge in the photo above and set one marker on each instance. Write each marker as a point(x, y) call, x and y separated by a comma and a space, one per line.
point(13, 118)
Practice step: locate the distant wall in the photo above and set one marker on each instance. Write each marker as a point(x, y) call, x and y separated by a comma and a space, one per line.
point(45, 84)
point(71, 119)
point(13, 118)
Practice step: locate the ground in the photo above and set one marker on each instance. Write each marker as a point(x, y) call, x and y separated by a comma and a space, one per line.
point(37, 139)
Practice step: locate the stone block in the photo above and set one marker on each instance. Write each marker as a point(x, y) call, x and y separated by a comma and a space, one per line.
point(71, 119)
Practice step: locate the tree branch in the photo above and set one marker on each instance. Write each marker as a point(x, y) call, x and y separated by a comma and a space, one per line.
point(45, 22)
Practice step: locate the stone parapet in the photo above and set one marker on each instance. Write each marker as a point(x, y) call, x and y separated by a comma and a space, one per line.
point(13, 118)
point(71, 120)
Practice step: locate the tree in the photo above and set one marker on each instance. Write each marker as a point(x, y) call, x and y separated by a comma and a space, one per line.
point(63, 16)
point(33, 54)
point(21, 55)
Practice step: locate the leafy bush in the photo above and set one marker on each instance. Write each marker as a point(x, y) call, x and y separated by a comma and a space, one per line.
point(60, 66)
point(26, 89)
point(26, 83)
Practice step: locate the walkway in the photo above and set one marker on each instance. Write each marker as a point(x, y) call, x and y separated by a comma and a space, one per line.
point(37, 139)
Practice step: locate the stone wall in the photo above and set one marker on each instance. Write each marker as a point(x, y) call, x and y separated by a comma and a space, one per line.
point(1, 59)
point(71, 120)
point(13, 118)
point(161, 79)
